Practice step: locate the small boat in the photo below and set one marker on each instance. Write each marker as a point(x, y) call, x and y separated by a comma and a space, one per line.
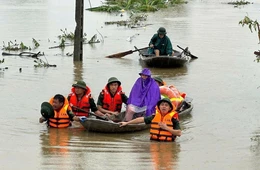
point(104, 126)
point(178, 59)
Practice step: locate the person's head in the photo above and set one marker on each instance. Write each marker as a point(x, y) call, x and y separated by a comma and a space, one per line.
point(80, 87)
point(159, 81)
point(161, 32)
point(145, 73)
point(113, 83)
point(165, 105)
point(58, 101)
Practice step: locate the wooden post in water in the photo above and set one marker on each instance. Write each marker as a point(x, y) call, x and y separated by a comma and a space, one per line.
point(78, 39)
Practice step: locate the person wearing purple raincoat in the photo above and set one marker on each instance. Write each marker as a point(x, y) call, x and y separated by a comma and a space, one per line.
point(145, 94)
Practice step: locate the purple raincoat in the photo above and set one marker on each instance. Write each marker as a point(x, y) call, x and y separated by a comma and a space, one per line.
point(145, 93)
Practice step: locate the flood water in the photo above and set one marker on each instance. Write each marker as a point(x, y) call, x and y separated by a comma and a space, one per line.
point(222, 131)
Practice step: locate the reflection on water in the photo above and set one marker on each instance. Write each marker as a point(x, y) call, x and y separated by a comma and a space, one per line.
point(169, 72)
point(75, 148)
point(78, 70)
point(255, 148)
point(164, 155)
point(55, 142)
point(2, 73)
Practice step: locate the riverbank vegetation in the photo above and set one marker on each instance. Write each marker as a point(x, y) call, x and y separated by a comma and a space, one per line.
point(135, 5)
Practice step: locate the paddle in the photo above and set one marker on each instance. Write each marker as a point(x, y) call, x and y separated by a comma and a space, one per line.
point(82, 110)
point(122, 54)
point(188, 53)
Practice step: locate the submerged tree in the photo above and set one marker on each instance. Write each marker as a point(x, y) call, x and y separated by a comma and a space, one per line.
point(252, 25)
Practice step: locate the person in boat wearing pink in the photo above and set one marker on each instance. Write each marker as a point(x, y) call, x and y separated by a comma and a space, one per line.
point(58, 113)
point(111, 98)
point(164, 126)
point(81, 101)
point(171, 92)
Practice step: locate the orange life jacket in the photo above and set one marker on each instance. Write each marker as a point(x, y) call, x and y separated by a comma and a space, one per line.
point(112, 103)
point(81, 104)
point(173, 94)
point(61, 118)
point(156, 133)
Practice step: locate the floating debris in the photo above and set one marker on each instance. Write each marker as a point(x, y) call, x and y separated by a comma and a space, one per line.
point(134, 21)
point(237, 3)
point(91, 41)
point(27, 54)
point(69, 54)
point(19, 47)
point(131, 38)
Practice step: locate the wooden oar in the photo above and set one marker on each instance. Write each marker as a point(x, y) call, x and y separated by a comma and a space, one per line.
point(188, 53)
point(82, 110)
point(122, 54)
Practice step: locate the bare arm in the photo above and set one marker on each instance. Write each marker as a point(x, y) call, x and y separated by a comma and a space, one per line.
point(98, 113)
point(106, 111)
point(173, 131)
point(134, 121)
point(76, 118)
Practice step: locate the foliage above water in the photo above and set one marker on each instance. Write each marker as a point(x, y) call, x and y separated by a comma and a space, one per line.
point(40, 63)
point(251, 24)
point(14, 46)
point(241, 2)
point(69, 36)
point(135, 5)
point(134, 21)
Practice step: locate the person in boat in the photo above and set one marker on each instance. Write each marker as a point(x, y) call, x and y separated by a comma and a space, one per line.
point(143, 97)
point(160, 44)
point(111, 98)
point(164, 125)
point(58, 113)
point(177, 98)
point(81, 101)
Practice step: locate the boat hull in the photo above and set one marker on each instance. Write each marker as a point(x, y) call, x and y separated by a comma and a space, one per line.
point(97, 125)
point(178, 60)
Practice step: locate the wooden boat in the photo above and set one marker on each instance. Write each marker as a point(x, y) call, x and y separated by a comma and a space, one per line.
point(98, 125)
point(178, 60)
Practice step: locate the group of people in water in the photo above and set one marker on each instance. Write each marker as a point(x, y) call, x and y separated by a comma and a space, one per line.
point(144, 104)
point(150, 101)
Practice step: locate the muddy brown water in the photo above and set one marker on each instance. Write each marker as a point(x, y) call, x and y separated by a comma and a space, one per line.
point(222, 131)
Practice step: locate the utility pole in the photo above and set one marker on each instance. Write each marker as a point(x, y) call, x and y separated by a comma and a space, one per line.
point(78, 39)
